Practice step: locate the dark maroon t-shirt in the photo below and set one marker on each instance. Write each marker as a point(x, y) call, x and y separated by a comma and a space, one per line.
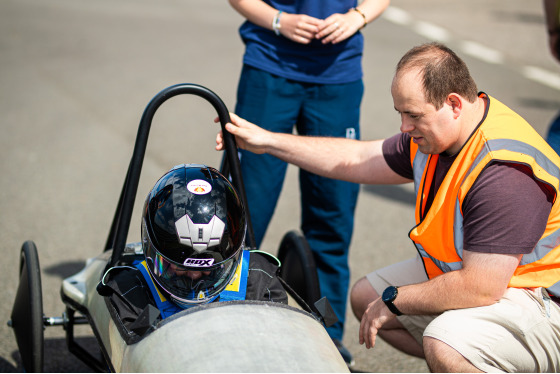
point(506, 209)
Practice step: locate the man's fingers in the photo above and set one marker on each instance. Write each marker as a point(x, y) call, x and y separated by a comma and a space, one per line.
point(219, 141)
point(365, 336)
point(361, 335)
point(232, 128)
point(368, 332)
point(234, 117)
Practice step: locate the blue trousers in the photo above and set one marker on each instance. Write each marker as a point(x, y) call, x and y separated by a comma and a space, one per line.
point(553, 136)
point(327, 205)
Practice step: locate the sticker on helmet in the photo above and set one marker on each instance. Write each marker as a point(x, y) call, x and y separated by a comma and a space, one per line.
point(198, 262)
point(199, 187)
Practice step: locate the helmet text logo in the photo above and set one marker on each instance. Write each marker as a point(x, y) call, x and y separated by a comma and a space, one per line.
point(198, 262)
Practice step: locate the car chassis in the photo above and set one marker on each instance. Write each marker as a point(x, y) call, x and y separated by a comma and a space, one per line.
point(253, 335)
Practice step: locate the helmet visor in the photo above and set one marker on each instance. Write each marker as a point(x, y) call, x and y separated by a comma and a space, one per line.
point(189, 284)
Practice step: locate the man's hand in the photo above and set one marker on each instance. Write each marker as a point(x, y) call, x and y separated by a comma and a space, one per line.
point(375, 316)
point(482, 281)
point(247, 135)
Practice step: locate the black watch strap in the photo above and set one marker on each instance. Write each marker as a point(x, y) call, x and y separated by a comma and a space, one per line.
point(393, 308)
point(389, 295)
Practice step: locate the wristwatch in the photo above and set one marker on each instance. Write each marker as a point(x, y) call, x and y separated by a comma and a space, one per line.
point(389, 295)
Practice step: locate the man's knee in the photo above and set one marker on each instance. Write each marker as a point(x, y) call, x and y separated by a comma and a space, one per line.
point(442, 358)
point(361, 295)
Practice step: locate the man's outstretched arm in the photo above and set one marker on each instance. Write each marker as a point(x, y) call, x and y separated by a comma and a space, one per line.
point(355, 161)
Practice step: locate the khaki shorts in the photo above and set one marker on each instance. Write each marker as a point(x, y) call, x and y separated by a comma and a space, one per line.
point(520, 333)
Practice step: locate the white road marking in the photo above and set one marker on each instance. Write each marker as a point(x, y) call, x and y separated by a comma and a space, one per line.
point(482, 52)
point(473, 49)
point(431, 31)
point(542, 76)
point(397, 15)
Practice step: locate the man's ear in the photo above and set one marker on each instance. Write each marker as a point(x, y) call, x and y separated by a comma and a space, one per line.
point(456, 103)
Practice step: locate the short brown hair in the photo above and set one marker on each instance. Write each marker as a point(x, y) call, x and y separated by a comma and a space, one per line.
point(443, 72)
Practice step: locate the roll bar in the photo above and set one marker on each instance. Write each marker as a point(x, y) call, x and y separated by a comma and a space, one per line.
point(118, 233)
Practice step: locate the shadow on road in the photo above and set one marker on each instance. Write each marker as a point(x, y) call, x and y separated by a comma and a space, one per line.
point(57, 358)
point(393, 192)
point(65, 269)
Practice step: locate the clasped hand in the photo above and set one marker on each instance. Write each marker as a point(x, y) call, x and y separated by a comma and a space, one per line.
point(302, 28)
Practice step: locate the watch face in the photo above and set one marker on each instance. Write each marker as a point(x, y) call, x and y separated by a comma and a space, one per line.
point(390, 294)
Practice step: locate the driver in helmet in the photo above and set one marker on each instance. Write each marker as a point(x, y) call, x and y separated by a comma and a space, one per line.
point(193, 230)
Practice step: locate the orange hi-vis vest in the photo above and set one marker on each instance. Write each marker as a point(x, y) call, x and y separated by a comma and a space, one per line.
point(438, 235)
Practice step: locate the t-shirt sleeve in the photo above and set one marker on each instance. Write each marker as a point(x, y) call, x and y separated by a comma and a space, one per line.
point(396, 151)
point(506, 210)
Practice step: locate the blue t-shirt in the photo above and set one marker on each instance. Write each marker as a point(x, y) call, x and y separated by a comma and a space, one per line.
point(314, 62)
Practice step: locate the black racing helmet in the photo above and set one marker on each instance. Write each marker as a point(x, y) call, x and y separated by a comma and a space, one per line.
point(193, 230)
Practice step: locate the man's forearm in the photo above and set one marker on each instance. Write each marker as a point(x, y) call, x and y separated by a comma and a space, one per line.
point(351, 160)
point(482, 281)
point(338, 158)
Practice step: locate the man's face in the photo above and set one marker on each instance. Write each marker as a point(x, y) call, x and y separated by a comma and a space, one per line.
point(433, 130)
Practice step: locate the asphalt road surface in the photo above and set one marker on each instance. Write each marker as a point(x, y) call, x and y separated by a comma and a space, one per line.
point(75, 77)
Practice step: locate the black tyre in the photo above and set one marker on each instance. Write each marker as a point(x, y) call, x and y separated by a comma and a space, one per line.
point(298, 267)
point(27, 313)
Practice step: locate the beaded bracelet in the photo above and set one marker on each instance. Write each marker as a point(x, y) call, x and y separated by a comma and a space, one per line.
point(276, 23)
point(363, 15)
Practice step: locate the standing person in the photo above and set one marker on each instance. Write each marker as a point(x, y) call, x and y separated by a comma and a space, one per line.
point(482, 292)
point(552, 16)
point(302, 67)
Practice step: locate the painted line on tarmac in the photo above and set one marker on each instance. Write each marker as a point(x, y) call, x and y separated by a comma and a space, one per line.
point(482, 52)
point(471, 48)
point(543, 76)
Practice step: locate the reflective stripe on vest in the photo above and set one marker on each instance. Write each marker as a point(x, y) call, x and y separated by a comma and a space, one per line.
point(529, 271)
